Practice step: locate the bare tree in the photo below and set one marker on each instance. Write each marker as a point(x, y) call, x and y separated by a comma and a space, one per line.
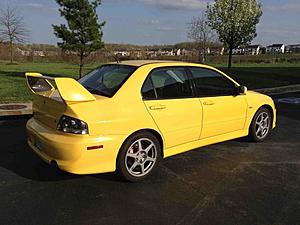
point(200, 32)
point(12, 29)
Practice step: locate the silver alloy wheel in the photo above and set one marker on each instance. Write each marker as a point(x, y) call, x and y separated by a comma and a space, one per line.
point(262, 125)
point(141, 157)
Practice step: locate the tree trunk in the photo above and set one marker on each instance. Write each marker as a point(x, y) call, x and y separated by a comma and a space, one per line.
point(80, 70)
point(81, 63)
point(230, 58)
point(11, 51)
point(199, 56)
point(204, 54)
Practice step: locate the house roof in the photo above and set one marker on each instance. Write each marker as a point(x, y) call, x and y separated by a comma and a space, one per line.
point(293, 46)
point(275, 45)
point(253, 46)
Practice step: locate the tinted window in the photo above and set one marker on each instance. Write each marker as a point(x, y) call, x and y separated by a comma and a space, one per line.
point(210, 83)
point(107, 79)
point(170, 83)
point(148, 90)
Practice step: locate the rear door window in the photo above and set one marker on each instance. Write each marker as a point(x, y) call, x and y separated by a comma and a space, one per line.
point(210, 83)
point(167, 83)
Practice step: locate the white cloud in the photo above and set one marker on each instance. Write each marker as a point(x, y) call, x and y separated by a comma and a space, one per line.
point(170, 4)
point(177, 4)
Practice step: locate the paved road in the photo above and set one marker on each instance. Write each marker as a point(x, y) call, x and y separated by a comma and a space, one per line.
point(230, 183)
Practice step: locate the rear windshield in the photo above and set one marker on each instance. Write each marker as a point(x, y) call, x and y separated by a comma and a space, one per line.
point(107, 79)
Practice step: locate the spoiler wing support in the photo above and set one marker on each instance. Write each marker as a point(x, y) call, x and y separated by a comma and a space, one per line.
point(69, 89)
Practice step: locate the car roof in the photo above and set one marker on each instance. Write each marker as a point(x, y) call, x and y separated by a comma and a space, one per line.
point(139, 63)
point(162, 63)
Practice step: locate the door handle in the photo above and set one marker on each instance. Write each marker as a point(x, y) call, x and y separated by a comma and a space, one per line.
point(157, 107)
point(208, 103)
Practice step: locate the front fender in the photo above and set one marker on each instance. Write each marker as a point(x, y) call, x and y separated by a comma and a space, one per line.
point(255, 102)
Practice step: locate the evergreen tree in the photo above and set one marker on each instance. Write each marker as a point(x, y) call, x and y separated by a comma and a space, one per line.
point(83, 33)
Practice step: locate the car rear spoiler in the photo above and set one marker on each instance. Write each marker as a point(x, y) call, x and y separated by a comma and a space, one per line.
point(69, 89)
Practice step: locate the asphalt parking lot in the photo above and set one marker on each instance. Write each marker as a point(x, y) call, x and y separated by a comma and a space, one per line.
point(235, 182)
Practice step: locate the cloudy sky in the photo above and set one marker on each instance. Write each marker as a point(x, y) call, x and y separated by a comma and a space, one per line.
point(157, 21)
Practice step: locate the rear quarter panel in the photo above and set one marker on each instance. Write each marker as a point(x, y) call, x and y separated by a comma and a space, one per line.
point(123, 114)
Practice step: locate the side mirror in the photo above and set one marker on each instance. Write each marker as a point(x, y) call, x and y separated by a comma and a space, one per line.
point(242, 89)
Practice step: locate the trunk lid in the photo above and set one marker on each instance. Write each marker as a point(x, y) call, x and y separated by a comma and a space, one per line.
point(52, 97)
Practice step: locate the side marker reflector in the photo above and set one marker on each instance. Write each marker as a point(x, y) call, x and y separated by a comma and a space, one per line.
point(94, 147)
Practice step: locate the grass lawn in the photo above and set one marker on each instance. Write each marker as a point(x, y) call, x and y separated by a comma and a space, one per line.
point(13, 87)
point(256, 76)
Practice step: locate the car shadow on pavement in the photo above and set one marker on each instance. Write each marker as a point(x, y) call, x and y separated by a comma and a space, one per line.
point(16, 156)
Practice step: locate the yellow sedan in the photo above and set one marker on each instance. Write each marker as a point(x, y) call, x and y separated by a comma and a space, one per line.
point(128, 116)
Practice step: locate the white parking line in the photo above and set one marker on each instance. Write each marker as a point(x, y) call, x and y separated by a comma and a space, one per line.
point(290, 100)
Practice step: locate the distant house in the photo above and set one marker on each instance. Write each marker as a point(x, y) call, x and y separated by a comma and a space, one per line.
point(122, 53)
point(52, 52)
point(185, 52)
point(167, 52)
point(216, 50)
point(34, 52)
point(253, 50)
point(137, 54)
point(151, 53)
point(177, 52)
point(275, 49)
point(292, 49)
point(38, 53)
point(239, 50)
point(23, 52)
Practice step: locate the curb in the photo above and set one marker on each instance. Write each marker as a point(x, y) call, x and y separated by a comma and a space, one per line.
point(279, 90)
point(21, 109)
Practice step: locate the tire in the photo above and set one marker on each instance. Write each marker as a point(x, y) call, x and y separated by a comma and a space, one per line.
point(138, 157)
point(260, 126)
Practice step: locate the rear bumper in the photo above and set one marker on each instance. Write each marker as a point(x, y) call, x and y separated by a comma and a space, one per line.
point(70, 151)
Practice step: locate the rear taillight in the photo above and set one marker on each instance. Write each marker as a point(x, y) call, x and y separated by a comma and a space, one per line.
point(71, 125)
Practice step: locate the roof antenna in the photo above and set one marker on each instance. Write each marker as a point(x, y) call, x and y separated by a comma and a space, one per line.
point(112, 55)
